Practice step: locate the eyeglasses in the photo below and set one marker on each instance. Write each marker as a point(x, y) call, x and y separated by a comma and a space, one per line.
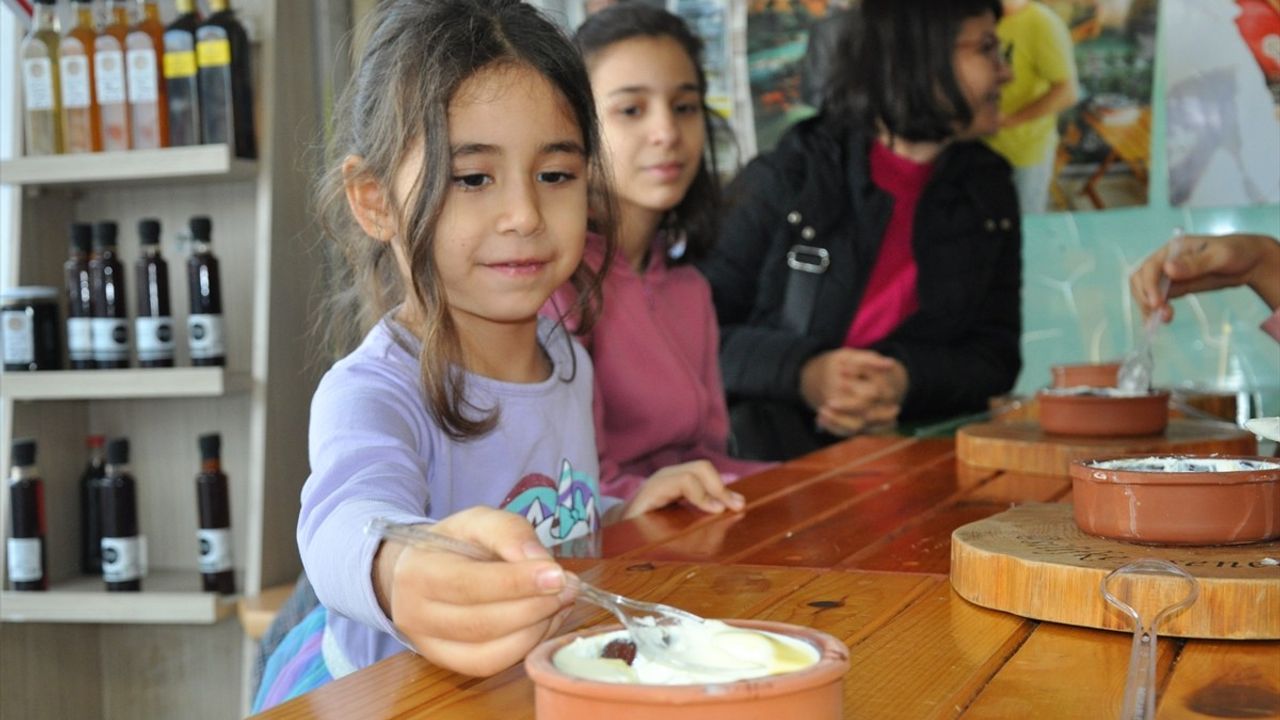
point(990, 46)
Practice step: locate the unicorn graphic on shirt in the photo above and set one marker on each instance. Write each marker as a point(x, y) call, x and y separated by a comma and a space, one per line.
point(558, 510)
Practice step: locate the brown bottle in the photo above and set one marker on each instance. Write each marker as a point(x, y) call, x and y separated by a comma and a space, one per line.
point(80, 124)
point(28, 557)
point(109, 74)
point(110, 317)
point(123, 552)
point(214, 510)
point(148, 102)
point(79, 294)
point(153, 324)
point(204, 324)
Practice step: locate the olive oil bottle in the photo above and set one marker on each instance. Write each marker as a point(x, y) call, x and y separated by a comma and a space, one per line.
point(41, 91)
point(226, 94)
point(182, 91)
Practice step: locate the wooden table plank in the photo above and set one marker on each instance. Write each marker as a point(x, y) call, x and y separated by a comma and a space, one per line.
point(1223, 679)
point(1011, 488)
point(925, 547)
point(1030, 684)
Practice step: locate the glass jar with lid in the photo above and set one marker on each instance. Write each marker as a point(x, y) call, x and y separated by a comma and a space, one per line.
point(29, 328)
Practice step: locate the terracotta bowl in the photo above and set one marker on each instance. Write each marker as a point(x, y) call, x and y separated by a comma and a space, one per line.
point(1103, 416)
point(1178, 499)
point(814, 693)
point(1087, 374)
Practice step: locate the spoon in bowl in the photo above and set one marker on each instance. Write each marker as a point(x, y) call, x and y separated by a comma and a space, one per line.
point(1134, 374)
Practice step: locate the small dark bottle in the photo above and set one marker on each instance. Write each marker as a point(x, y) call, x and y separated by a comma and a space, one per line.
point(28, 558)
point(110, 315)
point(204, 324)
point(182, 89)
point(215, 519)
point(226, 96)
point(91, 507)
point(79, 293)
point(153, 325)
point(122, 551)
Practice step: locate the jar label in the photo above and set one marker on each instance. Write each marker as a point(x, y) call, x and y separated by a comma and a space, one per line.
point(76, 93)
point(19, 337)
point(110, 339)
point(108, 76)
point(213, 53)
point(122, 558)
point(24, 560)
point(80, 339)
point(37, 83)
point(143, 81)
point(154, 338)
point(204, 334)
point(215, 549)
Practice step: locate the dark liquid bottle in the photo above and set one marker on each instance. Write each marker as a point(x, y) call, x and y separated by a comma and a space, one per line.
point(182, 89)
point(215, 519)
point(91, 508)
point(28, 559)
point(204, 324)
point(79, 293)
point(226, 95)
point(110, 317)
point(153, 325)
point(122, 559)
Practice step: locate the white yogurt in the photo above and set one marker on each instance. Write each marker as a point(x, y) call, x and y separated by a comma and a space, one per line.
point(1089, 391)
point(1175, 464)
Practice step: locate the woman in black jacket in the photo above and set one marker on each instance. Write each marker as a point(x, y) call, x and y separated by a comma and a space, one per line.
point(869, 268)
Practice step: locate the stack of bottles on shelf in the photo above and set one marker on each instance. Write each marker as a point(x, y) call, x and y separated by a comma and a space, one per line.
point(96, 293)
point(112, 544)
point(133, 82)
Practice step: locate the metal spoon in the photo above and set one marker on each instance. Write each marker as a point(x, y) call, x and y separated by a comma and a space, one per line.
point(655, 628)
point(1146, 584)
point(1134, 374)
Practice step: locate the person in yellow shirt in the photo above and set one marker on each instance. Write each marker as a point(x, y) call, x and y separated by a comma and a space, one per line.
point(1038, 45)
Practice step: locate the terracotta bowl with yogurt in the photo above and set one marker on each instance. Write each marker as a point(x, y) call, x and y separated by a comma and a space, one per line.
point(1102, 412)
point(1086, 374)
point(1178, 499)
point(580, 676)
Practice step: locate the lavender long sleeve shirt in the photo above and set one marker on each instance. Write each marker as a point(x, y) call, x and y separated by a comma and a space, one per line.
point(376, 452)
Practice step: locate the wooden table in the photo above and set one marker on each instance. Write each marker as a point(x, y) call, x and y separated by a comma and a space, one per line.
point(853, 540)
point(1129, 142)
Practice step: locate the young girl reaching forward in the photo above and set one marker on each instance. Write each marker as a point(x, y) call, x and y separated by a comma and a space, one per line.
point(659, 400)
point(459, 399)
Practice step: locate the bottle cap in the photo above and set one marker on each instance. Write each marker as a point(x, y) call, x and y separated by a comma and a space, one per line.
point(96, 441)
point(104, 234)
point(201, 228)
point(24, 452)
point(149, 231)
point(82, 236)
point(118, 451)
point(210, 446)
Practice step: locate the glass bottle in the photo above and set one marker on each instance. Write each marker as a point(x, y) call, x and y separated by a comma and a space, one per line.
point(28, 557)
point(110, 87)
point(41, 90)
point(110, 316)
point(204, 324)
point(123, 554)
point(181, 86)
point(91, 507)
point(226, 94)
point(79, 294)
point(153, 323)
point(80, 123)
point(214, 514)
point(148, 102)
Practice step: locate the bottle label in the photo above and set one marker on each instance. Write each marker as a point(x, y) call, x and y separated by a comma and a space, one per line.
point(24, 560)
point(179, 64)
point(19, 338)
point(122, 558)
point(154, 338)
point(76, 93)
point(108, 76)
point(215, 549)
point(80, 339)
point(143, 85)
point(204, 333)
point(110, 339)
point(213, 53)
point(37, 83)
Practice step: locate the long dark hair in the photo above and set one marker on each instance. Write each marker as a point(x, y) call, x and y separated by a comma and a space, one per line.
point(416, 56)
point(697, 216)
point(894, 69)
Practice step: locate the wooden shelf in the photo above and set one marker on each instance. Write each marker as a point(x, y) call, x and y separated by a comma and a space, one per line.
point(122, 384)
point(168, 597)
point(196, 163)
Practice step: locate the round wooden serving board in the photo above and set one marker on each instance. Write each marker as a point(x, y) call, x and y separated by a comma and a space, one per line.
point(1024, 447)
point(1032, 560)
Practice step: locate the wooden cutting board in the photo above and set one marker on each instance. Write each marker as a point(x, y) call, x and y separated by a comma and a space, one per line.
point(1032, 560)
point(1024, 447)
